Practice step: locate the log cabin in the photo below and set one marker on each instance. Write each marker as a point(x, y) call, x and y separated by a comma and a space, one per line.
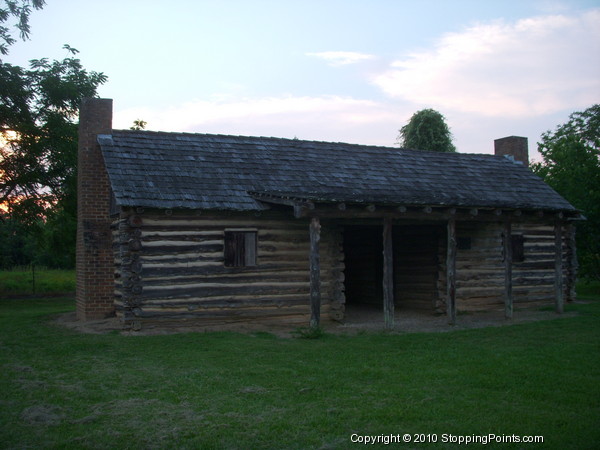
point(206, 229)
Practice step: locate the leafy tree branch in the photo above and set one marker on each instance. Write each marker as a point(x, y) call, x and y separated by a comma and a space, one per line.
point(571, 165)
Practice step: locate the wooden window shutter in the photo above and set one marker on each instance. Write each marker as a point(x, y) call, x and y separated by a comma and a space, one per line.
point(250, 248)
point(240, 248)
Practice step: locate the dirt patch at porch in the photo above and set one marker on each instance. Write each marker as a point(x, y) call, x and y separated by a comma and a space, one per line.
point(361, 318)
point(358, 319)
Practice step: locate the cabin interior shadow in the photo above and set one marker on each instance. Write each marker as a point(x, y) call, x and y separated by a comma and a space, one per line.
point(363, 247)
point(417, 267)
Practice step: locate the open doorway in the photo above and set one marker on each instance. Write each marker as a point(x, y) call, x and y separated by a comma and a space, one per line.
point(363, 260)
point(417, 252)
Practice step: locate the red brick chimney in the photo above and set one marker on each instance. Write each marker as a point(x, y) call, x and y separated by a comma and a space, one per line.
point(95, 260)
point(514, 146)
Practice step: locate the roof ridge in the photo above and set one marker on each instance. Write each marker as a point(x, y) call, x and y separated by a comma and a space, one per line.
point(304, 141)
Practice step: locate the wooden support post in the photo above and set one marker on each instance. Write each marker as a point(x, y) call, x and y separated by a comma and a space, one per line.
point(315, 273)
point(388, 274)
point(558, 267)
point(508, 259)
point(451, 272)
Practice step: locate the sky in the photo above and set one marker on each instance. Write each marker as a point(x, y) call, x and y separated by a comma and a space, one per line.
point(343, 71)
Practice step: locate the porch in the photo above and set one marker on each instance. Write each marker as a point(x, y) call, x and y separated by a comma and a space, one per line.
point(403, 259)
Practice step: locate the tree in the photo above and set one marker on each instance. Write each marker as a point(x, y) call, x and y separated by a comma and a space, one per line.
point(20, 10)
point(138, 125)
point(37, 125)
point(38, 146)
point(571, 165)
point(427, 130)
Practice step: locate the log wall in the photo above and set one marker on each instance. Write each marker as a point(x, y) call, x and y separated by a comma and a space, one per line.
point(480, 270)
point(171, 267)
point(416, 271)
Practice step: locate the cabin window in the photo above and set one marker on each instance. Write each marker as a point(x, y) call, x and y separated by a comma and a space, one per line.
point(517, 241)
point(240, 248)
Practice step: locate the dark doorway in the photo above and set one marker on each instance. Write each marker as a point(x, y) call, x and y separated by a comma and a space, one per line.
point(418, 249)
point(363, 247)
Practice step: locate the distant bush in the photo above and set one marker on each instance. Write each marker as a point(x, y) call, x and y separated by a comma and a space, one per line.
point(35, 280)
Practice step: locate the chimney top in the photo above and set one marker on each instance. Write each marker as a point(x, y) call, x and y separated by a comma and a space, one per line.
point(513, 146)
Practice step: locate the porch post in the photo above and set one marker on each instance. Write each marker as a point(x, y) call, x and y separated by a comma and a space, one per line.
point(558, 266)
point(508, 259)
point(388, 274)
point(451, 272)
point(315, 273)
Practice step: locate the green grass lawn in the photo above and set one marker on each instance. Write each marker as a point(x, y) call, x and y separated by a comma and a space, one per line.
point(40, 281)
point(62, 389)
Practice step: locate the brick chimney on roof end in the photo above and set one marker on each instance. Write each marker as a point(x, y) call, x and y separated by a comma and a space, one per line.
point(514, 146)
point(95, 260)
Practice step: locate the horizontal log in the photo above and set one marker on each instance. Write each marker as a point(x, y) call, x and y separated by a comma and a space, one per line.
point(473, 288)
point(230, 297)
point(153, 233)
point(269, 302)
point(190, 250)
point(287, 321)
point(239, 278)
point(519, 296)
point(182, 243)
point(211, 291)
point(168, 271)
point(230, 313)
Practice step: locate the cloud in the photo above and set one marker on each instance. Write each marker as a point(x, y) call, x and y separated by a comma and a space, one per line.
point(490, 80)
point(534, 66)
point(341, 58)
point(328, 118)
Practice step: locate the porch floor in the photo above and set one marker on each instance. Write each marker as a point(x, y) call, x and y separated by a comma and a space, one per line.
point(370, 318)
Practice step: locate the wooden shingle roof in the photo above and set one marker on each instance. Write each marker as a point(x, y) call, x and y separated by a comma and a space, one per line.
point(203, 171)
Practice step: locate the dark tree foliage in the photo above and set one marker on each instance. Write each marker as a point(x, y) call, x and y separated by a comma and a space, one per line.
point(38, 113)
point(38, 148)
point(15, 247)
point(427, 130)
point(571, 165)
point(19, 11)
point(138, 124)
